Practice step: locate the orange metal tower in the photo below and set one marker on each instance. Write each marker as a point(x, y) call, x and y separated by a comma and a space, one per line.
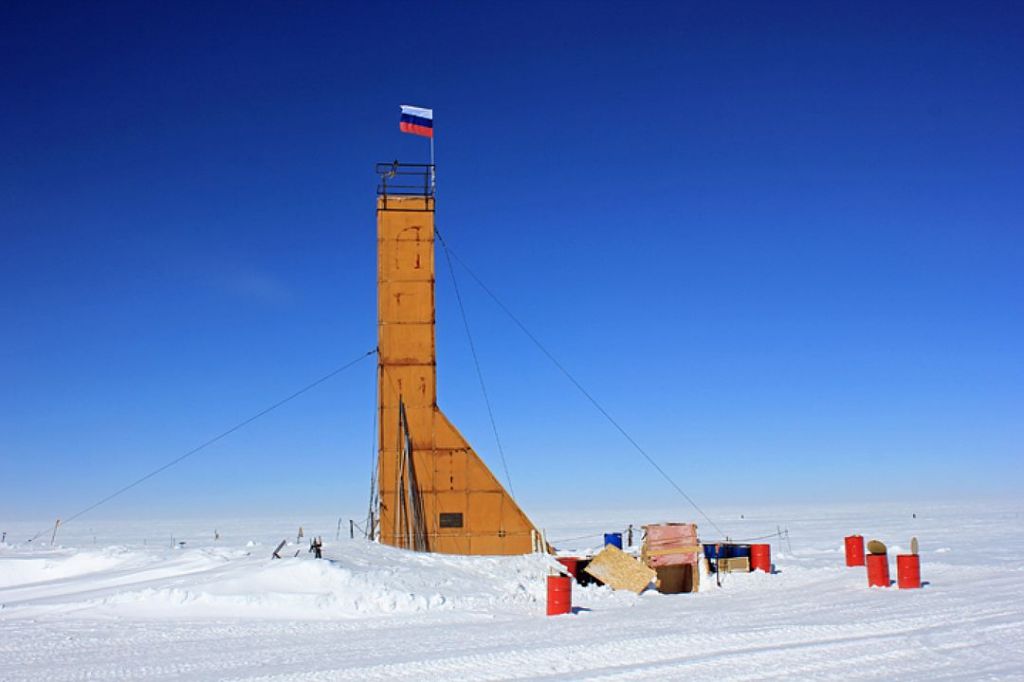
point(435, 493)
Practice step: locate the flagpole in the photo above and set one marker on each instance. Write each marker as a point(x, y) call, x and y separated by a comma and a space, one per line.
point(433, 176)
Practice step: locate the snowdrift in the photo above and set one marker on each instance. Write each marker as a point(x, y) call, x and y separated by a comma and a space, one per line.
point(356, 579)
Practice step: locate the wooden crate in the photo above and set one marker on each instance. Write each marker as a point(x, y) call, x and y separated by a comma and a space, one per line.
point(670, 544)
point(678, 579)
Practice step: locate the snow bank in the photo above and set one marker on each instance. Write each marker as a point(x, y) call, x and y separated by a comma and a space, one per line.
point(18, 569)
point(357, 579)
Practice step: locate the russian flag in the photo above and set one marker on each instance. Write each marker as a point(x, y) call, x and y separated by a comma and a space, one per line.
point(417, 121)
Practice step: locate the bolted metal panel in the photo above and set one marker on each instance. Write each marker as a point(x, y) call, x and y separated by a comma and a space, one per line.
point(405, 345)
point(450, 478)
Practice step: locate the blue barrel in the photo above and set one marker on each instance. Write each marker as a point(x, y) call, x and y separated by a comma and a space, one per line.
point(614, 539)
point(735, 551)
point(710, 551)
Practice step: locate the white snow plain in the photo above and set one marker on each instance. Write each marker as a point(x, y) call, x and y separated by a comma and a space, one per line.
point(116, 601)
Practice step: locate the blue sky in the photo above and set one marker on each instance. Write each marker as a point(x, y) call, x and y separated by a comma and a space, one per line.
point(781, 244)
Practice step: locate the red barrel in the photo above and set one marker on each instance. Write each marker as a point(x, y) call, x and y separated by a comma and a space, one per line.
point(908, 571)
point(878, 570)
point(854, 550)
point(571, 564)
point(761, 558)
point(559, 595)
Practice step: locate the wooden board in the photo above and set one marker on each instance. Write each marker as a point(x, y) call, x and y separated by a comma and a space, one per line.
point(619, 570)
point(671, 551)
point(739, 564)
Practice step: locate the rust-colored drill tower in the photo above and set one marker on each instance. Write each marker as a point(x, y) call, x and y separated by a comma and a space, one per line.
point(436, 494)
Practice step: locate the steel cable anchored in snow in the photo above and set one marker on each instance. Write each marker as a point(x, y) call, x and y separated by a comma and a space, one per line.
point(476, 362)
point(777, 534)
point(330, 375)
point(579, 386)
point(578, 537)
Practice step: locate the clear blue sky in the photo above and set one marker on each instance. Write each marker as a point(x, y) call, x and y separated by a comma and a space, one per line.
point(783, 244)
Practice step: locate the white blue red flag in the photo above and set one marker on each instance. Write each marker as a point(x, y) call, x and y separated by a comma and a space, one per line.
point(417, 120)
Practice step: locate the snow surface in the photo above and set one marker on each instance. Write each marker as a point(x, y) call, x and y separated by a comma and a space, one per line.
point(119, 601)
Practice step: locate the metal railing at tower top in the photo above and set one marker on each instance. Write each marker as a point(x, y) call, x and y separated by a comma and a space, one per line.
point(405, 179)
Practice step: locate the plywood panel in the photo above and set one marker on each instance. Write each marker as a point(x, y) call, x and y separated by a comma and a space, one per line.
point(408, 260)
point(489, 544)
point(407, 344)
point(485, 511)
point(406, 301)
point(447, 436)
point(414, 384)
point(619, 570)
point(450, 468)
point(419, 420)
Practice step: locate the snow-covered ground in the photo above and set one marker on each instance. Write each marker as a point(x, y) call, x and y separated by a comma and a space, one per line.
point(117, 601)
